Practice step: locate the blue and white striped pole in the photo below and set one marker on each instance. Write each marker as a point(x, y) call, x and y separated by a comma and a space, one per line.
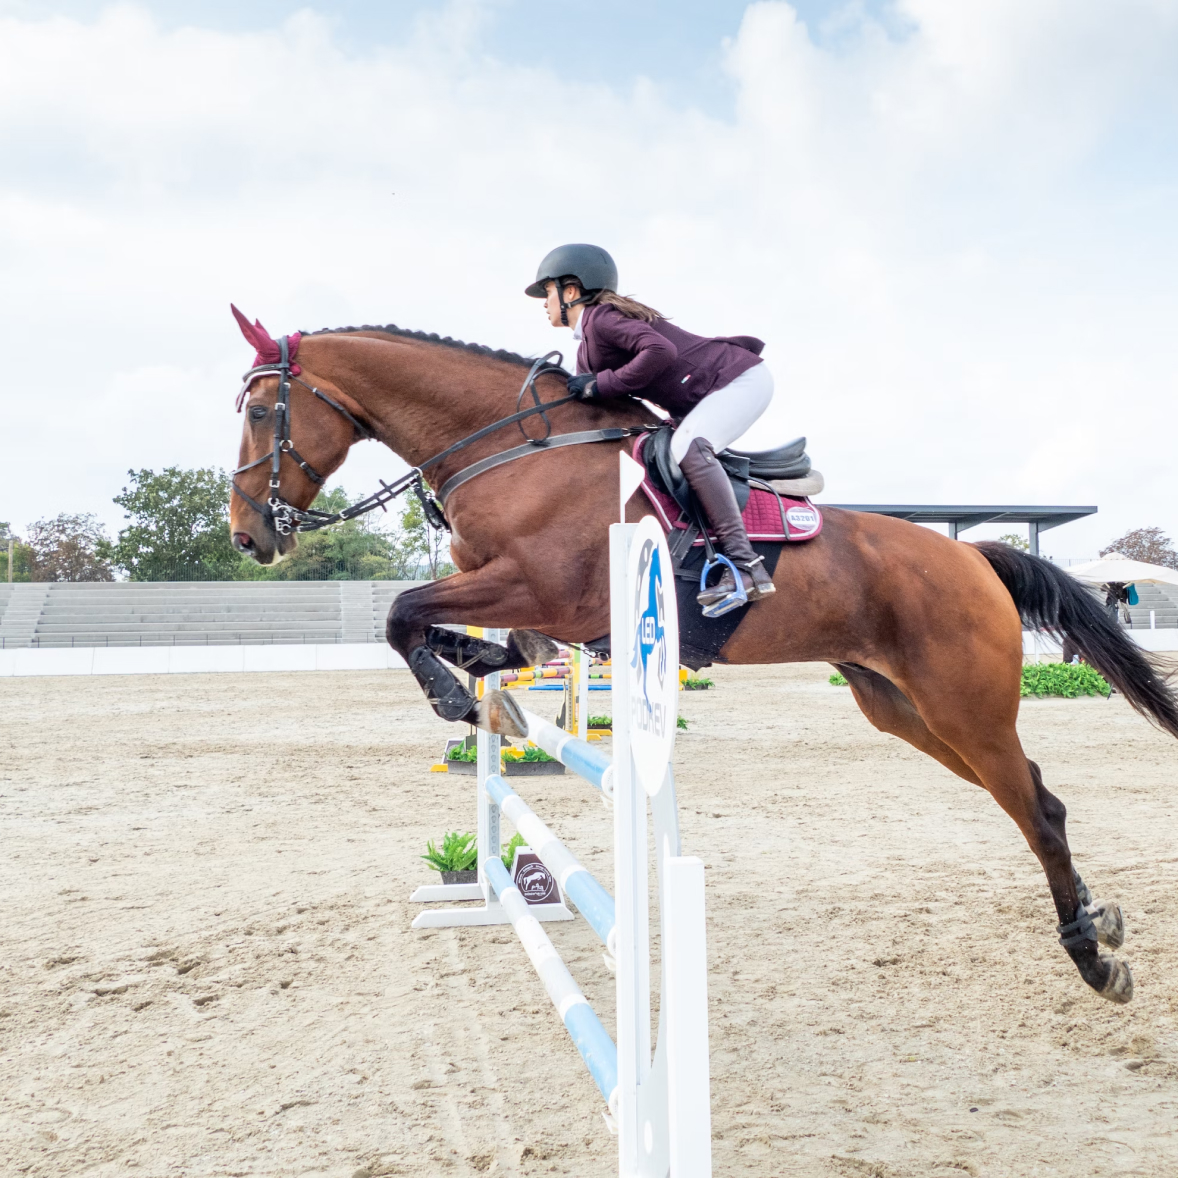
point(589, 1037)
point(578, 755)
point(595, 904)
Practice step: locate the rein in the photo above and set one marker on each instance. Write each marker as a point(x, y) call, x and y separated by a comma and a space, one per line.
point(287, 518)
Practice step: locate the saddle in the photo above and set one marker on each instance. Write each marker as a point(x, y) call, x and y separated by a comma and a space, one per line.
point(772, 489)
point(786, 470)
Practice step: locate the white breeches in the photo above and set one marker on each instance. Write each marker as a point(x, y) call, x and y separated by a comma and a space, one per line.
point(725, 413)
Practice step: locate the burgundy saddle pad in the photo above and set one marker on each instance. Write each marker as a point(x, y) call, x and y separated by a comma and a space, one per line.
point(767, 517)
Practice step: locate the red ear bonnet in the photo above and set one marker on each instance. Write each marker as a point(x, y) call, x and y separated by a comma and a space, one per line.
point(264, 345)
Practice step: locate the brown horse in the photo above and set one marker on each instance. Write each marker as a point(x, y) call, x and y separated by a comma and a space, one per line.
point(899, 609)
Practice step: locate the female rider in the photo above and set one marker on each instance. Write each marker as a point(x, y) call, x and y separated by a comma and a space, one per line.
point(713, 388)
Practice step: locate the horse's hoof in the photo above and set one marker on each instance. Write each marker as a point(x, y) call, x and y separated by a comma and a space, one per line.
point(1110, 923)
point(1119, 987)
point(532, 647)
point(499, 713)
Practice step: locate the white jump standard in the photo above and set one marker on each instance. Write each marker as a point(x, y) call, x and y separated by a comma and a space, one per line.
point(659, 1100)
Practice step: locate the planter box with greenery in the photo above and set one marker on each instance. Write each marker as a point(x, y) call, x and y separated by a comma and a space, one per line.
point(1066, 679)
point(606, 724)
point(461, 757)
point(697, 684)
point(529, 762)
point(457, 860)
point(1069, 680)
point(517, 840)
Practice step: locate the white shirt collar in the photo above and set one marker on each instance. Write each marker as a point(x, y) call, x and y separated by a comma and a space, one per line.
point(577, 330)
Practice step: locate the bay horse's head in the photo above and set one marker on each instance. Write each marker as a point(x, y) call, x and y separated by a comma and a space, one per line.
point(282, 468)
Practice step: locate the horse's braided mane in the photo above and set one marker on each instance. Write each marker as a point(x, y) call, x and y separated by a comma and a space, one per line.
point(432, 337)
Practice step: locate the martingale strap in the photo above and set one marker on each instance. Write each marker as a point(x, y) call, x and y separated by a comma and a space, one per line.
point(541, 366)
point(610, 434)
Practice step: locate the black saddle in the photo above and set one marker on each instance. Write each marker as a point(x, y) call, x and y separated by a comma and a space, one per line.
point(786, 462)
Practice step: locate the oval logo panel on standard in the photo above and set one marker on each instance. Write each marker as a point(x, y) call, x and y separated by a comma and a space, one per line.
point(653, 654)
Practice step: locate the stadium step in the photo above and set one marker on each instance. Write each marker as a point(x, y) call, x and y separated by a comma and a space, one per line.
point(19, 623)
point(195, 613)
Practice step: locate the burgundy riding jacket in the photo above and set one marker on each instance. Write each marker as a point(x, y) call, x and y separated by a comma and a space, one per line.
point(658, 361)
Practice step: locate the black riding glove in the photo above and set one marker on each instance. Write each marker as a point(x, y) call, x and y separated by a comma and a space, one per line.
point(583, 387)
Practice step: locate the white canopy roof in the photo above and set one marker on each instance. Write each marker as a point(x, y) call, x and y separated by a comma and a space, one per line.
point(1115, 567)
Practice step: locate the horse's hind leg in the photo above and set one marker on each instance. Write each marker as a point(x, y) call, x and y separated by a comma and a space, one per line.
point(891, 711)
point(998, 763)
point(478, 657)
point(981, 729)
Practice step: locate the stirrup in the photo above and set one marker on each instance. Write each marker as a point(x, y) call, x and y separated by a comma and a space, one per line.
point(734, 600)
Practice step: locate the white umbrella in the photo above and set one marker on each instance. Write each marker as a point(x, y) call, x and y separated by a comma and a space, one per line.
point(1117, 568)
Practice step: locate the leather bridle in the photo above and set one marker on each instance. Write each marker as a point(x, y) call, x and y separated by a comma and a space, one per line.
point(286, 518)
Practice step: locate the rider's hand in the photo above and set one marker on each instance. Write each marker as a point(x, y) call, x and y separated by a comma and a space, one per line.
point(583, 387)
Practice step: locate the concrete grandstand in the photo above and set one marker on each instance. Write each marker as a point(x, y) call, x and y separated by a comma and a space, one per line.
point(194, 613)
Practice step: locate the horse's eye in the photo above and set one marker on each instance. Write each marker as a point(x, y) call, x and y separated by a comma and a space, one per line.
point(257, 412)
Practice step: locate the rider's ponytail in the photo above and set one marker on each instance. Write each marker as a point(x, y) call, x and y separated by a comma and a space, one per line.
point(631, 308)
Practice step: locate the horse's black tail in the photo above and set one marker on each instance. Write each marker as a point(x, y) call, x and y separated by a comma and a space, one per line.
point(1049, 599)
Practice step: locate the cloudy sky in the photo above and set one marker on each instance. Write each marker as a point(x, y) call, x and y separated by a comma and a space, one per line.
point(953, 221)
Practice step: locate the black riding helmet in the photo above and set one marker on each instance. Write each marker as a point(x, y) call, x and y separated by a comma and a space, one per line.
point(591, 267)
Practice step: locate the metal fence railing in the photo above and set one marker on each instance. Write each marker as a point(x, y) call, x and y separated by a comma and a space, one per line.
point(367, 568)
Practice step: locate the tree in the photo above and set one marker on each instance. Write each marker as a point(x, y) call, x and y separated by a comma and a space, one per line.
point(1015, 541)
point(68, 548)
point(179, 526)
point(421, 541)
point(22, 556)
point(1150, 545)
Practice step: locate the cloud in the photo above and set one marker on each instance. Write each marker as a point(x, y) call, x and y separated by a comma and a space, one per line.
point(955, 233)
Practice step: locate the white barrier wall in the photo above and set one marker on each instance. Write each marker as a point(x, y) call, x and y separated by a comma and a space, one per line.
point(329, 656)
point(190, 660)
point(1043, 645)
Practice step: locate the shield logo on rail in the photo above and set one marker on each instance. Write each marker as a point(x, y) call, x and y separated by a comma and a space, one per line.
point(653, 656)
point(533, 879)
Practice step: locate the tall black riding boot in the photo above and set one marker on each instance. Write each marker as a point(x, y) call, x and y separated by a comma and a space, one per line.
point(709, 481)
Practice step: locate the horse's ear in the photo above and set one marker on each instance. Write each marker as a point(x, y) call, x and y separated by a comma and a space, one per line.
point(256, 334)
point(246, 328)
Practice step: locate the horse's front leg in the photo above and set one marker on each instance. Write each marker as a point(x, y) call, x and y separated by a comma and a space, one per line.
point(495, 595)
point(478, 657)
